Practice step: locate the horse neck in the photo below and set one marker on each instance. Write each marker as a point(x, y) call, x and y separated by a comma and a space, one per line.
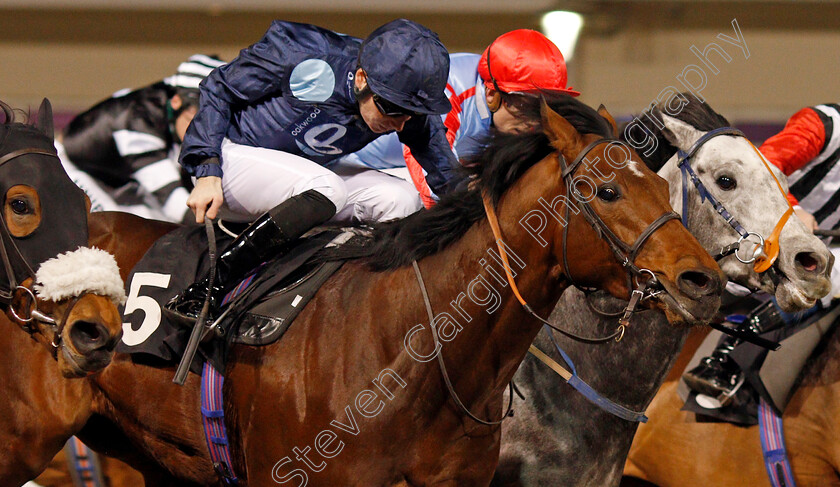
point(628, 373)
point(495, 330)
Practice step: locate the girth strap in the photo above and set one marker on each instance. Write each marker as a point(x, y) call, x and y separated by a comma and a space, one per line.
point(772, 435)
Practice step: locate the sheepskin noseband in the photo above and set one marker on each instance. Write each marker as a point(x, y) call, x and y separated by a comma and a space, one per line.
point(82, 270)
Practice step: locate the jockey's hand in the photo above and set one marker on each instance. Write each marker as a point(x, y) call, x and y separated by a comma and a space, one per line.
point(206, 198)
point(807, 218)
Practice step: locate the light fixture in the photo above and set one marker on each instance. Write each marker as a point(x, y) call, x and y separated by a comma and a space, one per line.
point(562, 27)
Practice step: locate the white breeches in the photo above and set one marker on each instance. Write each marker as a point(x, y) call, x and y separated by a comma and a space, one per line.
point(256, 180)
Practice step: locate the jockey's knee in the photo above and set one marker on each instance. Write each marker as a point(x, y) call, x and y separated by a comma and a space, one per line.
point(333, 187)
point(386, 202)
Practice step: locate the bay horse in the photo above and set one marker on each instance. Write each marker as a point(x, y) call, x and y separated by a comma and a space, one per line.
point(63, 299)
point(557, 436)
point(352, 377)
point(731, 455)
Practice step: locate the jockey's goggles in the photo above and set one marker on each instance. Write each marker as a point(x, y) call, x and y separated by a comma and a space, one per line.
point(389, 109)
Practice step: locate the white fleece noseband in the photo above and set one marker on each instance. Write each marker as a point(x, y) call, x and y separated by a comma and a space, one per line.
point(82, 270)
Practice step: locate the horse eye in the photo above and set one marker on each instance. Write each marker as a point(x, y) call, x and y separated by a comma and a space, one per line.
point(727, 183)
point(608, 193)
point(19, 206)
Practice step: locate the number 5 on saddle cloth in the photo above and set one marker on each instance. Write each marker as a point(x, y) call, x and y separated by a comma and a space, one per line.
point(259, 316)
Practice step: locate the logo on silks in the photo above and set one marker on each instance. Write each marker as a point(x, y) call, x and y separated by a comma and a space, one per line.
point(315, 138)
point(63, 224)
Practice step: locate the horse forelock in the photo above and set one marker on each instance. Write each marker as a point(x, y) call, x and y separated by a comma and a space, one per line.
point(503, 161)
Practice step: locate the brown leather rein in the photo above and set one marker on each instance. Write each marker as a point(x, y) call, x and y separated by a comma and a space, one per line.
point(626, 255)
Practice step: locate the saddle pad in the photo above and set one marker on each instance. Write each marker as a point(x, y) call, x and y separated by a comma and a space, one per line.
point(266, 322)
point(168, 267)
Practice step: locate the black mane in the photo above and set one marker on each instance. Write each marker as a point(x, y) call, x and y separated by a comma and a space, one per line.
point(695, 113)
point(505, 159)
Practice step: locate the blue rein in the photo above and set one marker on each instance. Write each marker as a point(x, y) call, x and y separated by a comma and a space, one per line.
point(591, 394)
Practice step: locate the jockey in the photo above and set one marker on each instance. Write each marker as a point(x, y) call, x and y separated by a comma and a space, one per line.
point(807, 150)
point(124, 151)
point(487, 91)
point(299, 98)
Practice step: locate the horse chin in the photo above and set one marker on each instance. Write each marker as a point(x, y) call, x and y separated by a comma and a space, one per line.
point(73, 365)
point(791, 298)
point(681, 310)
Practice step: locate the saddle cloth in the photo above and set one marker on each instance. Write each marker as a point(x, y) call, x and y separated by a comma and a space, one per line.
point(262, 306)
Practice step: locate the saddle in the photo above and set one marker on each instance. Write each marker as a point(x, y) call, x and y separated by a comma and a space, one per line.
point(771, 376)
point(258, 311)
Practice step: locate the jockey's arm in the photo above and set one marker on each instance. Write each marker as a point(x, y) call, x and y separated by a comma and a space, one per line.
point(425, 137)
point(259, 70)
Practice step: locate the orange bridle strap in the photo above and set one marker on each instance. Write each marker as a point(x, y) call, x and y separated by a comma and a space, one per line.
point(497, 235)
point(771, 244)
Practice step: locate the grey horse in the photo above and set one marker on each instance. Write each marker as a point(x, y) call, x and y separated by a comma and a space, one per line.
point(557, 437)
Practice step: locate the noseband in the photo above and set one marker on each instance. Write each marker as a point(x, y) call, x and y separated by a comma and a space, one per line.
point(626, 254)
point(647, 285)
point(14, 286)
point(767, 251)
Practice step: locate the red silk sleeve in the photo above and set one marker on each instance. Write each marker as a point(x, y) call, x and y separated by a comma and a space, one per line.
point(418, 178)
point(797, 144)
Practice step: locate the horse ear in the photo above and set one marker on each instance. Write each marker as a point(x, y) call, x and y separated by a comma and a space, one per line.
point(679, 133)
point(559, 131)
point(45, 119)
point(602, 111)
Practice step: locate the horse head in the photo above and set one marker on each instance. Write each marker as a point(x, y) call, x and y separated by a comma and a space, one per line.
point(609, 190)
point(66, 302)
point(733, 175)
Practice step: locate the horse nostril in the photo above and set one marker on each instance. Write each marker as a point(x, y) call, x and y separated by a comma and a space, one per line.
point(697, 283)
point(808, 261)
point(87, 336)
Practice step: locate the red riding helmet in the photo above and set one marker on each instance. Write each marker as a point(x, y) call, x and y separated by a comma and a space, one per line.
point(524, 61)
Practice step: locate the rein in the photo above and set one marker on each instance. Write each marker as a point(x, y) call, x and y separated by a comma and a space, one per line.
point(626, 255)
point(442, 365)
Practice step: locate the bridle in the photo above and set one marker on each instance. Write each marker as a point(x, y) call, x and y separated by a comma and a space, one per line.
point(766, 252)
point(35, 315)
point(6, 297)
point(626, 255)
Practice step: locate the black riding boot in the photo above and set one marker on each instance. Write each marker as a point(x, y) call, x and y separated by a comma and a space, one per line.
point(257, 244)
point(718, 375)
